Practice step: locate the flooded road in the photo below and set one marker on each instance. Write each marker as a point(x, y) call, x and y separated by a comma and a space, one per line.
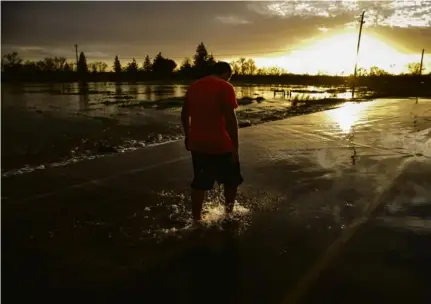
point(334, 203)
point(49, 125)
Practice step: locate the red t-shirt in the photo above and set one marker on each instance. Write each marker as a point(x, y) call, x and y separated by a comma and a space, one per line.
point(208, 132)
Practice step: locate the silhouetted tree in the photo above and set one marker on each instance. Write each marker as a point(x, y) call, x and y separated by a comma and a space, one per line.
point(169, 65)
point(202, 61)
point(235, 67)
point(242, 65)
point(211, 61)
point(67, 68)
point(274, 71)
point(132, 67)
point(376, 71)
point(260, 72)
point(147, 67)
point(93, 67)
point(186, 67)
point(59, 63)
point(361, 72)
point(201, 56)
point(11, 63)
point(163, 66)
point(103, 67)
point(117, 65)
point(53, 68)
point(12, 59)
point(251, 67)
point(414, 68)
point(100, 66)
point(40, 66)
point(157, 62)
point(48, 64)
point(82, 67)
point(73, 66)
point(30, 67)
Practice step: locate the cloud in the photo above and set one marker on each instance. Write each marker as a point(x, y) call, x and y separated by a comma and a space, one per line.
point(323, 29)
point(40, 52)
point(28, 52)
point(287, 9)
point(233, 29)
point(235, 20)
point(383, 13)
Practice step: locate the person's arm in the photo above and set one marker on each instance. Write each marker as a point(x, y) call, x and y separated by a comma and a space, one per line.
point(185, 119)
point(229, 104)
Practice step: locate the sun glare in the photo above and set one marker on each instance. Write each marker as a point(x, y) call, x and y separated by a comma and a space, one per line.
point(347, 115)
point(336, 55)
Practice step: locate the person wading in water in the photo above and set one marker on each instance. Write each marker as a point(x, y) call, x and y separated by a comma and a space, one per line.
point(211, 135)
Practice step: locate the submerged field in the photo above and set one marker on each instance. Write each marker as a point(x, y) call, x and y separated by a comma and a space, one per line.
point(46, 125)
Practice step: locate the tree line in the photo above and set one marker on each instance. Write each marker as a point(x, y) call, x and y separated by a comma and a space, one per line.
point(58, 68)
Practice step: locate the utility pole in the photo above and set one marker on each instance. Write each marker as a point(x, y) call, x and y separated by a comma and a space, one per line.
point(76, 53)
point(420, 72)
point(357, 54)
point(422, 62)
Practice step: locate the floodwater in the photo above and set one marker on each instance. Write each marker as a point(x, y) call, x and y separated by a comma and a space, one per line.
point(46, 125)
point(334, 203)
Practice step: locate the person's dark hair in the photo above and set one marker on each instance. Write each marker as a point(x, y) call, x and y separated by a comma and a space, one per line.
point(221, 67)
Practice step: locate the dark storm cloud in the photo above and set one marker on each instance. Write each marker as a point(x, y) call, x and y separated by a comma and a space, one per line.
point(231, 29)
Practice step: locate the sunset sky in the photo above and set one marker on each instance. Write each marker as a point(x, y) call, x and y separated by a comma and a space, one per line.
point(300, 36)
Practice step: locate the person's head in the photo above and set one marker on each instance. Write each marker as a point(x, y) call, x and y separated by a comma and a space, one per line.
point(222, 69)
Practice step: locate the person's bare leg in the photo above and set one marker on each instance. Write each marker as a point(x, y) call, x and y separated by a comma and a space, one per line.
point(198, 197)
point(229, 198)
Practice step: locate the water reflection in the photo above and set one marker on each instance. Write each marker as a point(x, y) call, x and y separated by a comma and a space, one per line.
point(118, 88)
point(83, 96)
point(148, 93)
point(348, 115)
point(133, 91)
point(154, 92)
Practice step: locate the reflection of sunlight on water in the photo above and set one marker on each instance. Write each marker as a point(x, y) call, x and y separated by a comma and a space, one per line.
point(320, 95)
point(348, 115)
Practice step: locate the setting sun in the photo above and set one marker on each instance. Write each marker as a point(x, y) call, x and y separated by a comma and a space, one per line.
point(336, 55)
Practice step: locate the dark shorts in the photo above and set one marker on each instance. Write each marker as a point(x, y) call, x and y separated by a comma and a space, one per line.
point(210, 168)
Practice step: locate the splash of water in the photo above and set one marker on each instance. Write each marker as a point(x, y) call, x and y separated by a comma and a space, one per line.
point(213, 214)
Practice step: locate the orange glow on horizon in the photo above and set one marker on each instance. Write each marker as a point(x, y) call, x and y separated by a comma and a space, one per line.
point(336, 55)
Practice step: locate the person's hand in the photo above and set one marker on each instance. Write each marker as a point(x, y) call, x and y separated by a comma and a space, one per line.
point(235, 157)
point(186, 142)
